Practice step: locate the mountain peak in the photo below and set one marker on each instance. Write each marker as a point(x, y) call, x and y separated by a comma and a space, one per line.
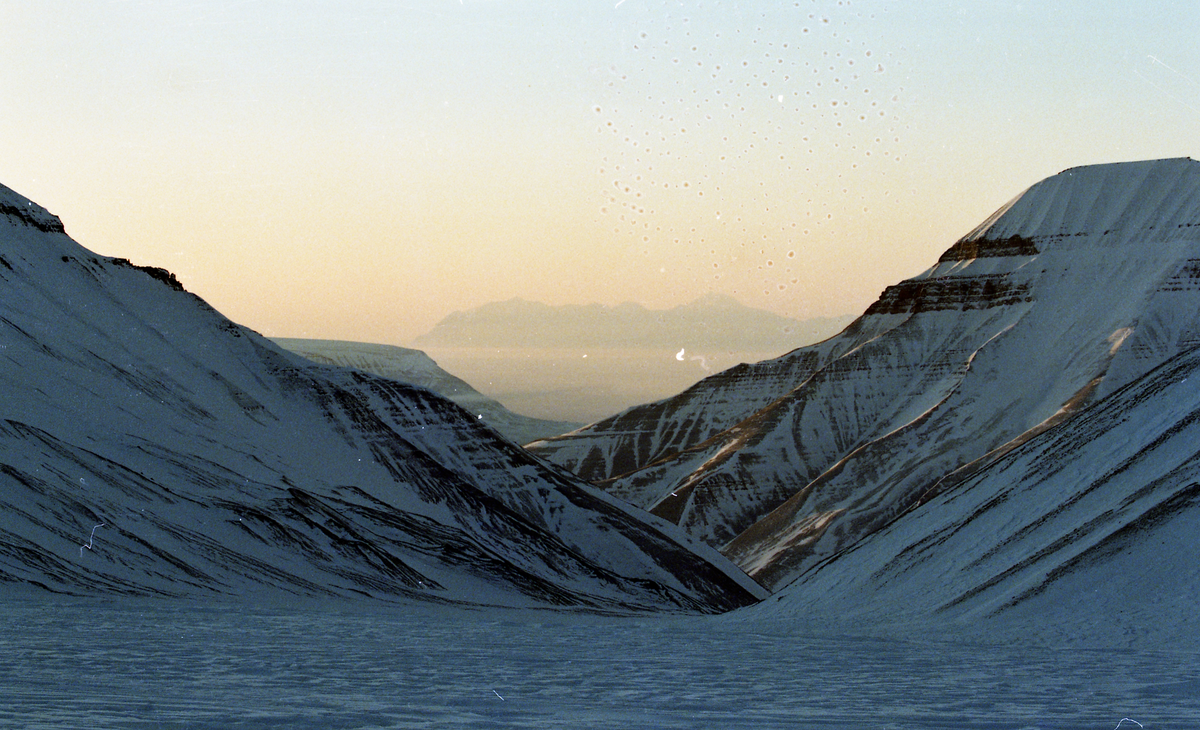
point(1163, 195)
point(220, 465)
point(1067, 295)
point(23, 211)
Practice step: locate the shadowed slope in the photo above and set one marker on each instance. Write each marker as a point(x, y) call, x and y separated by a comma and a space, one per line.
point(217, 463)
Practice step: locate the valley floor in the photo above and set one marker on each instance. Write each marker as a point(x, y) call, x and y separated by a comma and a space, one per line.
point(73, 663)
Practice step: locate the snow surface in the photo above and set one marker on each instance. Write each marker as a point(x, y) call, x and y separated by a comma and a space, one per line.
point(82, 663)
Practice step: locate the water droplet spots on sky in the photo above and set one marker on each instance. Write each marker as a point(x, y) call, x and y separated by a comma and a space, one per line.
point(743, 123)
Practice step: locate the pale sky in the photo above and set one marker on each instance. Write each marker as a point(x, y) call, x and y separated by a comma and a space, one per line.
point(358, 170)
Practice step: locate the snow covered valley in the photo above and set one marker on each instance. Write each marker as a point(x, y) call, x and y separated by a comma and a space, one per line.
point(68, 663)
point(977, 508)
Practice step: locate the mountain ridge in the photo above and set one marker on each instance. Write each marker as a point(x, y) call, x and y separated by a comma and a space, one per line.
point(1084, 535)
point(149, 446)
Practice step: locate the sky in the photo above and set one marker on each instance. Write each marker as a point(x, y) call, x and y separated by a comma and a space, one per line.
point(360, 169)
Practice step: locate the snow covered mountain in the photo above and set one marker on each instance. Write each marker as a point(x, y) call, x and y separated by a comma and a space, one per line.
point(1077, 288)
point(149, 446)
point(417, 368)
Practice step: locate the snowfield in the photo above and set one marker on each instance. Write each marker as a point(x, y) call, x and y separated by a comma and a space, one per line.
point(72, 663)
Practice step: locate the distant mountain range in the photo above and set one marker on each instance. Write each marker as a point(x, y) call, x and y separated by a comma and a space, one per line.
point(714, 321)
point(1010, 433)
point(417, 368)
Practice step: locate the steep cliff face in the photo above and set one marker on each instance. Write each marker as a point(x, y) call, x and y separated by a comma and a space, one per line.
point(149, 446)
point(1080, 285)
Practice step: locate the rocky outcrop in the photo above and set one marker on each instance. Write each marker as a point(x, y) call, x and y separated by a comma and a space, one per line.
point(22, 211)
point(982, 248)
point(957, 293)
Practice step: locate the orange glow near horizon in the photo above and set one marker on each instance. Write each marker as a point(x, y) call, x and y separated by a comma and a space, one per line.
point(360, 171)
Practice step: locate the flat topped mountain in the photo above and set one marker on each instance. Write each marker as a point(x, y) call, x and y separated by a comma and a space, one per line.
point(1156, 198)
point(149, 446)
point(1078, 287)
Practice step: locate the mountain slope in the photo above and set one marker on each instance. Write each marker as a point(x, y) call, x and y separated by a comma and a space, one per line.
point(417, 368)
point(1086, 532)
point(149, 446)
point(1080, 285)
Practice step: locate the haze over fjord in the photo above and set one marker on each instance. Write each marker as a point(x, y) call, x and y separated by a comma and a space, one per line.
point(585, 362)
